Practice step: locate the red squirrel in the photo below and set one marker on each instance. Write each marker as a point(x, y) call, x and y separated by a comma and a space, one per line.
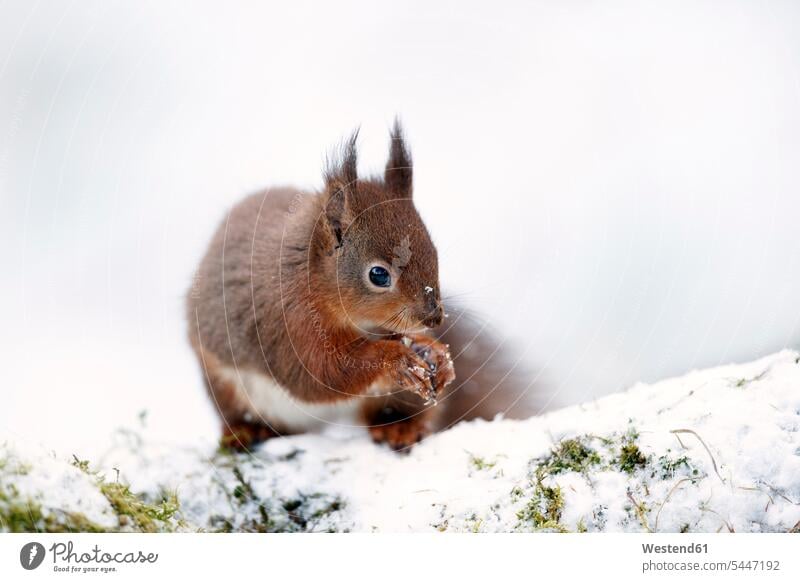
point(316, 307)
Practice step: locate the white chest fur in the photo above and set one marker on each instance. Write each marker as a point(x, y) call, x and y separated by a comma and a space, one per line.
point(273, 404)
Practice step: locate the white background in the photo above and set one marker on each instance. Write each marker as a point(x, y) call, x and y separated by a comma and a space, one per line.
point(613, 185)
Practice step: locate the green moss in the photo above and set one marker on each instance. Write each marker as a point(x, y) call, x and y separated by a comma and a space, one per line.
point(667, 467)
point(243, 493)
point(134, 511)
point(299, 513)
point(630, 458)
point(580, 454)
point(543, 511)
point(19, 515)
point(472, 524)
point(480, 463)
point(160, 512)
point(569, 455)
point(742, 382)
point(13, 466)
point(641, 510)
point(331, 507)
point(81, 464)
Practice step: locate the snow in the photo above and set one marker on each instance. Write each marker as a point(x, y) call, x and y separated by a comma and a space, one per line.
point(722, 450)
point(44, 478)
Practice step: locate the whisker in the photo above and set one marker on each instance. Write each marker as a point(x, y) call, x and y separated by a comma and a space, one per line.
point(457, 295)
point(392, 322)
point(406, 323)
point(398, 317)
point(391, 318)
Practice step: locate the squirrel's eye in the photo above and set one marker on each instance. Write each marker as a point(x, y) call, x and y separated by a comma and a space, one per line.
point(380, 277)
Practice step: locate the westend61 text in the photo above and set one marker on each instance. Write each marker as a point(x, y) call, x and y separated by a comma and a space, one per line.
point(675, 548)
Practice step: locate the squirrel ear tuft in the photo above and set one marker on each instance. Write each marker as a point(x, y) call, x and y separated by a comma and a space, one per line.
point(399, 171)
point(341, 179)
point(341, 166)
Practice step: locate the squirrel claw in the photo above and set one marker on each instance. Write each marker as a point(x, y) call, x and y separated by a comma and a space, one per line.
point(428, 395)
point(438, 366)
point(430, 400)
point(426, 369)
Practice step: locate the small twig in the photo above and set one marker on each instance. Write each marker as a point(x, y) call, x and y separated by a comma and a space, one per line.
point(725, 521)
point(640, 513)
point(770, 500)
point(777, 492)
point(702, 442)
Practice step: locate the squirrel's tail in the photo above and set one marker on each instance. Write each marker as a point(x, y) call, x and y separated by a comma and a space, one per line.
point(491, 377)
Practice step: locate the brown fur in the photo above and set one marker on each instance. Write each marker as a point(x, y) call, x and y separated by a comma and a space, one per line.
point(282, 291)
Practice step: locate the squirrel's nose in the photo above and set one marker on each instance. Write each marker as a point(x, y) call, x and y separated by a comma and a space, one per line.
point(434, 317)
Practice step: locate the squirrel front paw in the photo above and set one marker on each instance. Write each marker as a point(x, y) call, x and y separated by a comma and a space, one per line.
point(411, 372)
point(438, 363)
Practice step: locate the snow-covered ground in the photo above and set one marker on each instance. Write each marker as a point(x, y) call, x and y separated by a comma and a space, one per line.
point(715, 450)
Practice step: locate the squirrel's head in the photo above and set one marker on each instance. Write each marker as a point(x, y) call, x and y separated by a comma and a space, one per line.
point(375, 253)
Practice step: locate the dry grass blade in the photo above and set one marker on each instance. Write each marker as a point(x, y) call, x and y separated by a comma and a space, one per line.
point(705, 446)
point(640, 513)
